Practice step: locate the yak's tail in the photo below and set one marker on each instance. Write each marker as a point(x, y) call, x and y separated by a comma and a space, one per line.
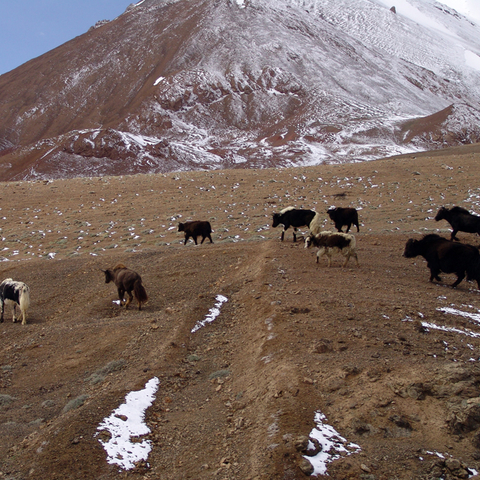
point(140, 292)
point(473, 271)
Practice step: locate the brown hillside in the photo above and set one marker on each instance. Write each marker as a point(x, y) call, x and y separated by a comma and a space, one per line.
point(293, 338)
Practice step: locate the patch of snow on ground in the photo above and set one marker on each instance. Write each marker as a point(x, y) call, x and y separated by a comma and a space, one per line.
point(472, 60)
point(333, 445)
point(213, 313)
point(443, 328)
point(127, 423)
point(453, 311)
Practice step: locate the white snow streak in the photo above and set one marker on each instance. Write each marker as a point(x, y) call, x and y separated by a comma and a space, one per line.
point(453, 311)
point(127, 422)
point(213, 313)
point(333, 445)
point(443, 328)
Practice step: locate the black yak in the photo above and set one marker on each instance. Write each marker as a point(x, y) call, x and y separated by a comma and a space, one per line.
point(446, 256)
point(292, 217)
point(460, 219)
point(196, 229)
point(343, 216)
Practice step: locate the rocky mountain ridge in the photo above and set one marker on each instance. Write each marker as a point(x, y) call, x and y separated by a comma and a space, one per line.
point(202, 84)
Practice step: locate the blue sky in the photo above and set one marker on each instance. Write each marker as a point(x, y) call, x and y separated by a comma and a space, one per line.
point(29, 28)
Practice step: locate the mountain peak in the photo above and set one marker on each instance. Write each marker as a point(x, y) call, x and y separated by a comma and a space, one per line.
point(191, 84)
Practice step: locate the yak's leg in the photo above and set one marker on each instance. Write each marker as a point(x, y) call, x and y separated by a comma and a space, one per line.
point(14, 312)
point(24, 317)
point(129, 299)
point(356, 258)
point(322, 251)
point(347, 258)
point(195, 238)
point(207, 236)
point(434, 274)
point(121, 294)
point(283, 233)
point(454, 235)
point(3, 309)
point(294, 234)
point(460, 277)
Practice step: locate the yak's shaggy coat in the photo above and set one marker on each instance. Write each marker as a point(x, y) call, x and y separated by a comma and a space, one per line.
point(446, 256)
point(128, 281)
point(17, 293)
point(329, 243)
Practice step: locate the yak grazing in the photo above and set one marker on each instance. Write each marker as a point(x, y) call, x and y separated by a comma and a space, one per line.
point(128, 281)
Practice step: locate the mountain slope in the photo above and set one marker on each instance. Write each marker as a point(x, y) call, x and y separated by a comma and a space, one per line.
point(173, 85)
point(390, 359)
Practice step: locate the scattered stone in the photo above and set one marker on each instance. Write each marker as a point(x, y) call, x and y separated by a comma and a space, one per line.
point(401, 421)
point(314, 447)
point(365, 468)
point(324, 346)
point(301, 443)
point(306, 467)
point(360, 427)
point(465, 417)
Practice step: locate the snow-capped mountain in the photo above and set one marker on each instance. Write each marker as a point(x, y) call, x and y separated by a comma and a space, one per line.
point(198, 84)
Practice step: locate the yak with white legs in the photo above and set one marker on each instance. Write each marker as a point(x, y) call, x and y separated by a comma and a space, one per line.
point(329, 243)
point(16, 293)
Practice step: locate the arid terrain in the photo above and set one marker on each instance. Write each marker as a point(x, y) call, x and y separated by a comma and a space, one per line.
point(294, 337)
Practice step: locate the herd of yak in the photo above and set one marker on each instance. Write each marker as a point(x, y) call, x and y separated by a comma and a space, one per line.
point(441, 254)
